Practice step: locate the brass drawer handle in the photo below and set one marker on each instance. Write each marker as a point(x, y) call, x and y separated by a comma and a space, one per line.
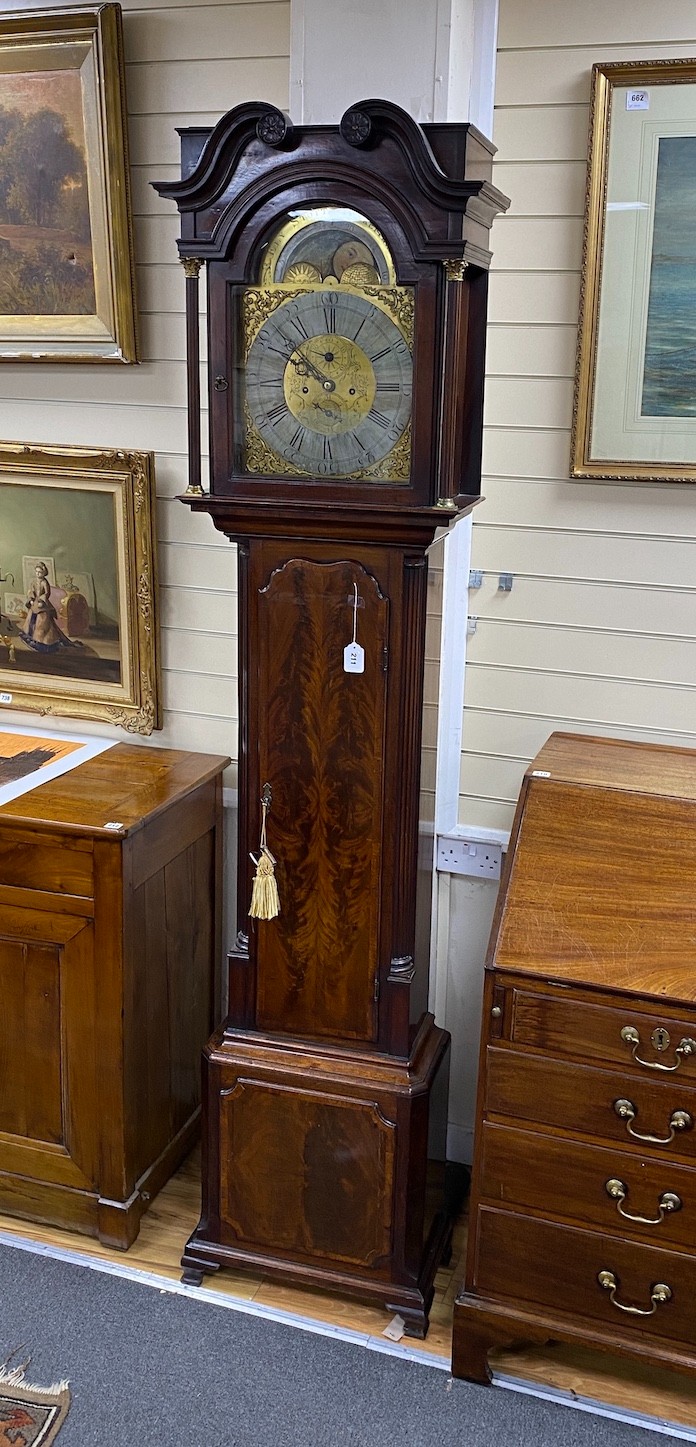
point(659, 1293)
point(686, 1046)
point(679, 1120)
point(618, 1191)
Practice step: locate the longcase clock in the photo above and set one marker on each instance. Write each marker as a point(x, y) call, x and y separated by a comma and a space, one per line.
point(346, 305)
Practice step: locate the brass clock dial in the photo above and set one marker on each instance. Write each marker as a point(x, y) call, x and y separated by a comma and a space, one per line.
point(328, 383)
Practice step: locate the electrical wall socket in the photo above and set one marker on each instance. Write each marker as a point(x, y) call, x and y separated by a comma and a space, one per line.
point(478, 858)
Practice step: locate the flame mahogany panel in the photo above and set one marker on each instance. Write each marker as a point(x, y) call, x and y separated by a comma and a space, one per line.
point(307, 1172)
point(321, 748)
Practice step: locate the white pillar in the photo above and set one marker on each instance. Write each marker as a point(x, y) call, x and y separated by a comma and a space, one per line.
point(433, 57)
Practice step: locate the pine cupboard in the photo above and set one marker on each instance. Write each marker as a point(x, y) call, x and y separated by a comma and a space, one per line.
point(109, 951)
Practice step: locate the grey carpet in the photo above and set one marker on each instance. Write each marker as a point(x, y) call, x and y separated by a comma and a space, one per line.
point(159, 1370)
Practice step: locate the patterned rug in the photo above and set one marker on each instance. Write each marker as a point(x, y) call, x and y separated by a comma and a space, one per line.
point(29, 1416)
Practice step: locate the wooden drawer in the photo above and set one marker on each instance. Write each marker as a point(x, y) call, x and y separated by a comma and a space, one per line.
point(46, 863)
point(581, 1099)
point(557, 1267)
point(520, 1168)
point(564, 1026)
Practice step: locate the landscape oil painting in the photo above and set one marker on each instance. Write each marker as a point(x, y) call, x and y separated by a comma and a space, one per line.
point(46, 266)
point(77, 569)
point(66, 263)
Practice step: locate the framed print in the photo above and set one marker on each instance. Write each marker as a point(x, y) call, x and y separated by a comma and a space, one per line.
point(66, 253)
point(635, 398)
point(35, 756)
point(78, 617)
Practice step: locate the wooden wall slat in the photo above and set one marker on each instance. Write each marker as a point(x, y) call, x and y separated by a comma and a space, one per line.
point(527, 25)
point(530, 351)
point(203, 32)
point(553, 76)
point(534, 296)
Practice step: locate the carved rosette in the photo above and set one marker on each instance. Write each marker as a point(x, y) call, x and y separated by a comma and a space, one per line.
point(356, 127)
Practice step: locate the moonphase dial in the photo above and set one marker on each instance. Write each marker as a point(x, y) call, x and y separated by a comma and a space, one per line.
point(328, 383)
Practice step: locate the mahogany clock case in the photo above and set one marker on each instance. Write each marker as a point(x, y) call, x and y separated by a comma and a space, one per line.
point(322, 1091)
point(425, 191)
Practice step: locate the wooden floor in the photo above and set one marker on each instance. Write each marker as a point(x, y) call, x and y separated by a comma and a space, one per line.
point(669, 1396)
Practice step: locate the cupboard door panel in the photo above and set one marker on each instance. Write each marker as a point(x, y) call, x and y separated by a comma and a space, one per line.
point(48, 1104)
point(30, 1050)
point(321, 749)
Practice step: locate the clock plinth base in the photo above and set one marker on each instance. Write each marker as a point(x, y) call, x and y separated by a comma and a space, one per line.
point(326, 1168)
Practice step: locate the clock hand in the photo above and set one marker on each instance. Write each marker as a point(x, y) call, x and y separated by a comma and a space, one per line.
point(326, 382)
point(303, 365)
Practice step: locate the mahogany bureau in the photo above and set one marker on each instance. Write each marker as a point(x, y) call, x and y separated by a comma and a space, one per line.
point(109, 949)
point(583, 1211)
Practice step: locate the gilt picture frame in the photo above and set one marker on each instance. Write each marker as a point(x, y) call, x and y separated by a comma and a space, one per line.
point(634, 414)
point(67, 277)
point(78, 589)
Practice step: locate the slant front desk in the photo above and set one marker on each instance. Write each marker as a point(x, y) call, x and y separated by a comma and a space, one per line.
point(109, 947)
point(583, 1222)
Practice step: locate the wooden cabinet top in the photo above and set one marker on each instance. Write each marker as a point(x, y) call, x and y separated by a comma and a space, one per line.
point(635, 768)
point(126, 785)
point(600, 880)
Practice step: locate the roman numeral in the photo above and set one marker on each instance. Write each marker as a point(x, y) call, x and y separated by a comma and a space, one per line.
point(330, 317)
point(357, 334)
point(378, 417)
point(274, 414)
point(378, 355)
point(298, 438)
point(328, 455)
point(388, 387)
point(300, 327)
point(270, 382)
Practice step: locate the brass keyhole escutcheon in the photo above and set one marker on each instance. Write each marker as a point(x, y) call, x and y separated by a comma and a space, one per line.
point(660, 1038)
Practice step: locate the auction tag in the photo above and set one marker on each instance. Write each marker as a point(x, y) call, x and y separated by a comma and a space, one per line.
point(637, 100)
point(395, 1330)
point(353, 658)
point(5, 698)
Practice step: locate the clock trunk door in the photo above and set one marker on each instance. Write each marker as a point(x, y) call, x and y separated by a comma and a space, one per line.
point(321, 747)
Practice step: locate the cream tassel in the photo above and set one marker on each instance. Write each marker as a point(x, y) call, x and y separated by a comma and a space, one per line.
point(265, 902)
